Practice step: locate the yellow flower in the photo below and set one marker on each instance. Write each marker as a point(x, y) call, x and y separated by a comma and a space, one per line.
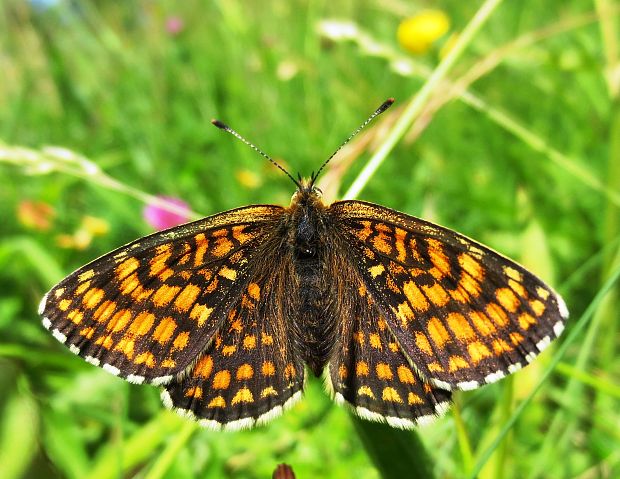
point(418, 33)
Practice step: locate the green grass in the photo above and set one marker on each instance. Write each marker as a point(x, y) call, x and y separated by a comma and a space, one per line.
point(513, 139)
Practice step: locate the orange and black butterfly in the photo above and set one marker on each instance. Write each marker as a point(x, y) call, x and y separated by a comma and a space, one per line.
point(226, 312)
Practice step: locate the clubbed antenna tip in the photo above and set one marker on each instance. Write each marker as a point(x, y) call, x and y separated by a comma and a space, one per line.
point(219, 124)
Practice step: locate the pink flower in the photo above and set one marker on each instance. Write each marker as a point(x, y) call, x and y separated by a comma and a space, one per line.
point(174, 25)
point(161, 218)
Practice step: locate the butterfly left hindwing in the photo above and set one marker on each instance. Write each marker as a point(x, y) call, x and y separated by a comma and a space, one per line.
point(250, 372)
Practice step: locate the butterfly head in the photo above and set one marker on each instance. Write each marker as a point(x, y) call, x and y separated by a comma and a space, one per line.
point(307, 193)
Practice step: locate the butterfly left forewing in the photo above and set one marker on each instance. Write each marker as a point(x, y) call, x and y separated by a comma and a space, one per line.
point(463, 314)
point(147, 310)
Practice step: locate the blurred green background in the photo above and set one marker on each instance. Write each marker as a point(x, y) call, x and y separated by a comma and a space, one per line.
point(517, 144)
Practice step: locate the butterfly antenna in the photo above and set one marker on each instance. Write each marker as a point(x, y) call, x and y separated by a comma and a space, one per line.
point(225, 127)
point(384, 106)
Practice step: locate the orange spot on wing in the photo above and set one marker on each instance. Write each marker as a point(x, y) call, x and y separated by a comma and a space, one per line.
point(131, 286)
point(93, 297)
point(399, 239)
point(436, 294)
point(437, 332)
point(168, 363)
point(221, 380)
point(245, 371)
point(249, 342)
point(268, 391)
point(289, 372)
point(239, 235)
point(142, 323)
point(222, 247)
point(119, 321)
point(268, 369)
point(200, 313)
point(381, 242)
point(405, 375)
point(391, 395)
point(64, 304)
point(242, 395)
point(384, 371)
point(81, 288)
point(415, 297)
point(229, 350)
point(435, 367)
point(364, 233)
point(202, 244)
point(482, 323)
point(507, 299)
point(471, 266)
point(126, 346)
point(76, 316)
point(497, 314)
point(513, 273)
point(422, 342)
point(361, 368)
point(469, 287)
point(413, 399)
point(460, 326)
point(126, 268)
point(180, 342)
point(164, 295)
point(358, 337)
point(477, 351)
point(404, 313)
point(438, 257)
point(516, 338)
point(538, 307)
point(203, 367)
point(254, 291)
point(105, 310)
point(164, 330)
point(375, 340)
point(194, 392)
point(266, 339)
point(186, 298)
point(376, 270)
point(457, 362)
point(342, 372)
point(500, 346)
point(159, 263)
point(146, 358)
point(105, 341)
point(365, 391)
point(212, 286)
point(88, 332)
point(526, 320)
point(517, 288)
point(228, 273)
point(217, 401)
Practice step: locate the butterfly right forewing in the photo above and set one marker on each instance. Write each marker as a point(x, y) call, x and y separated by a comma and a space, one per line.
point(462, 313)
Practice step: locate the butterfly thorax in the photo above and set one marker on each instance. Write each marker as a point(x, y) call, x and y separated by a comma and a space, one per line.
point(314, 325)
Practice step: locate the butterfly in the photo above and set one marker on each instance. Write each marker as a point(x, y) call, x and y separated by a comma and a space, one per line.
point(230, 313)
